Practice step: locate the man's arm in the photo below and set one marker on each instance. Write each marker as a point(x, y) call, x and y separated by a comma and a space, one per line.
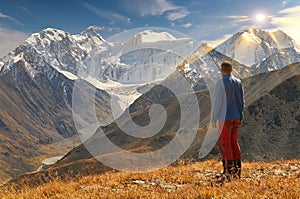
point(217, 105)
point(242, 101)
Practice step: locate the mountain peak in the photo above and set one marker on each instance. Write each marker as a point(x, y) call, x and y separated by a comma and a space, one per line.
point(52, 32)
point(280, 38)
point(91, 31)
point(279, 32)
point(254, 31)
point(46, 35)
point(151, 36)
point(251, 46)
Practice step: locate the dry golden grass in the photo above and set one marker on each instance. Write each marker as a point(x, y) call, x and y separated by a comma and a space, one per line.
point(193, 180)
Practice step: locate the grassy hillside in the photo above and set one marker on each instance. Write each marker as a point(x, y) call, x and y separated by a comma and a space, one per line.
point(279, 179)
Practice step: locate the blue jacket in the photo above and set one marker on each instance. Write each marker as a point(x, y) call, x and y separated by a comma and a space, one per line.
point(229, 99)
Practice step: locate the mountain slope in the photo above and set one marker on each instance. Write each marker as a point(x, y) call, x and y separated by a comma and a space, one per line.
point(270, 131)
point(272, 127)
point(35, 114)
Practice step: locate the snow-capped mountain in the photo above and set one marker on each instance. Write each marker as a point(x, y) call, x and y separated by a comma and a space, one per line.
point(153, 54)
point(148, 36)
point(253, 46)
point(252, 51)
point(58, 49)
point(145, 58)
point(161, 40)
point(149, 56)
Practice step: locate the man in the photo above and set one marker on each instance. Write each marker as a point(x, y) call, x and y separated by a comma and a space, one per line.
point(228, 111)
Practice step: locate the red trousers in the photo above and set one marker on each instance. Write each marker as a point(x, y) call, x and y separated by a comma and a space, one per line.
point(228, 139)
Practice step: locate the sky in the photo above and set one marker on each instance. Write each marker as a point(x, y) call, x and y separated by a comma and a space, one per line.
point(209, 21)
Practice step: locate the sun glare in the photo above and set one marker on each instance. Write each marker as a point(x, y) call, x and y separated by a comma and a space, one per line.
point(260, 17)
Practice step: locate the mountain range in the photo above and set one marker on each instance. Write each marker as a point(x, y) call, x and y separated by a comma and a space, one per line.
point(38, 77)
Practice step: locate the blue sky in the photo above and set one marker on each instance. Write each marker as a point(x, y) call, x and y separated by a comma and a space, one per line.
point(202, 20)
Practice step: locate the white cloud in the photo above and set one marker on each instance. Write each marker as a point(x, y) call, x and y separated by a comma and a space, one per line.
point(179, 14)
point(10, 39)
point(284, 2)
point(8, 17)
point(288, 21)
point(106, 28)
point(106, 14)
point(187, 25)
point(157, 8)
point(237, 18)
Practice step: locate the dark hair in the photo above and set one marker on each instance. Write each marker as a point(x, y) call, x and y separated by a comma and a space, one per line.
point(226, 67)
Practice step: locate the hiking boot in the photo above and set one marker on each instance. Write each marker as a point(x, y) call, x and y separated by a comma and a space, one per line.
point(238, 169)
point(231, 169)
point(226, 175)
point(224, 170)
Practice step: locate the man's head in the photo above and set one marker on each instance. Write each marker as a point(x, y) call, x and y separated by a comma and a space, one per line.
point(226, 67)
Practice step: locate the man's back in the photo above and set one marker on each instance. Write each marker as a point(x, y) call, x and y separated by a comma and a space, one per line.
point(229, 99)
point(234, 97)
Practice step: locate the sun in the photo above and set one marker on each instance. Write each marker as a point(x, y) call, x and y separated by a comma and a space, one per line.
point(260, 17)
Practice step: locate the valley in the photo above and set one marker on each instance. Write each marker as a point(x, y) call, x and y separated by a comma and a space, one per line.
point(37, 81)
